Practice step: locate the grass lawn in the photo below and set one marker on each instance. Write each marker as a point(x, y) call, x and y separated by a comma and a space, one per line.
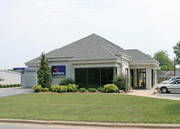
point(90, 108)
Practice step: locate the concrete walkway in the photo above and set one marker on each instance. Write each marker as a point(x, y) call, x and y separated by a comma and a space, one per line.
point(154, 94)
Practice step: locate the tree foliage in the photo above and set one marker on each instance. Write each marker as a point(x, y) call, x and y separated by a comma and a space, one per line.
point(44, 73)
point(166, 63)
point(177, 52)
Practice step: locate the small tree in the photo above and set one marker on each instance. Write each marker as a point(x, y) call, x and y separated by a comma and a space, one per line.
point(177, 52)
point(44, 73)
point(165, 62)
point(120, 82)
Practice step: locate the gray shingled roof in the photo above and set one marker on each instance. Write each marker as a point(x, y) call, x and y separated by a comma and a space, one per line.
point(138, 55)
point(92, 47)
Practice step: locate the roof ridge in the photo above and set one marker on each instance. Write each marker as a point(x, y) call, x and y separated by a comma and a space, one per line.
point(74, 41)
point(107, 50)
point(107, 42)
point(131, 49)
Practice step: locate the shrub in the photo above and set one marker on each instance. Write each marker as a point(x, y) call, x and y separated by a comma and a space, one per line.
point(82, 89)
point(9, 85)
point(92, 89)
point(4, 86)
point(75, 90)
point(55, 88)
point(73, 85)
point(16, 85)
point(45, 89)
point(37, 88)
point(66, 81)
point(101, 89)
point(63, 89)
point(109, 88)
point(120, 82)
point(72, 88)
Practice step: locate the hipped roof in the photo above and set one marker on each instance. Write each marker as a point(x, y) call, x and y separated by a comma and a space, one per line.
point(93, 47)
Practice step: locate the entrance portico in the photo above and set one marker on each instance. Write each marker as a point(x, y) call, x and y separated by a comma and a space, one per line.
point(143, 76)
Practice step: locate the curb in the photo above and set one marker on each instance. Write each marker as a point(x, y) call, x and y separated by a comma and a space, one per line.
point(174, 126)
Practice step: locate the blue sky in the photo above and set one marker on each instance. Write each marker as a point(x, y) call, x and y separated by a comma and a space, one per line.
point(29, 27)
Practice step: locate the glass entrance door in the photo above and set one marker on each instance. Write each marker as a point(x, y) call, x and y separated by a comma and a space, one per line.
point(141, 79)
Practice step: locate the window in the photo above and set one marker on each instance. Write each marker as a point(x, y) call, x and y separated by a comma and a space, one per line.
point(93, 77)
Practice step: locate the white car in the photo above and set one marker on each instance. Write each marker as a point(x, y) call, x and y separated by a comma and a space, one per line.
point(172, 87)
point(170, 80)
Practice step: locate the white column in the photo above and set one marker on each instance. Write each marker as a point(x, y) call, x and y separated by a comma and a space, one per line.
point(155, 77)
point(148, 78)
point(73, 74)
point(114, 72)
point(135, 78)
point(118, 70)
point(129, 76)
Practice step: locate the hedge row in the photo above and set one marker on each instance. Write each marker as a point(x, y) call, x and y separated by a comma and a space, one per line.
point(109, 88)
point(9, 85)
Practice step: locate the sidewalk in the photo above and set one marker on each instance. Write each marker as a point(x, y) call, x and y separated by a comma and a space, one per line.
point(93, 124)
point(150, 93)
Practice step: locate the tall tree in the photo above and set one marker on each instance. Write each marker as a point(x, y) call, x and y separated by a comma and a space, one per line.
point(166, 63)
point(177, 52)
point(44, 73)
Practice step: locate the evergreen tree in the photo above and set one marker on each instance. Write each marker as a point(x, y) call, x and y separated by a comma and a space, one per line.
point(44, 73)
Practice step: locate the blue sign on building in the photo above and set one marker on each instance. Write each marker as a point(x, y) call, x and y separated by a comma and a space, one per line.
point(59, 70)
point(19, 69)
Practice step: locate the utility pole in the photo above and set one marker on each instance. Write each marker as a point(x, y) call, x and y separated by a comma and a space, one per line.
point(174, 67)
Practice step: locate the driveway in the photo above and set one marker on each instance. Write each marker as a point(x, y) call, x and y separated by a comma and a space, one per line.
point(170, 95)
point(14, 91)
point(154, 94)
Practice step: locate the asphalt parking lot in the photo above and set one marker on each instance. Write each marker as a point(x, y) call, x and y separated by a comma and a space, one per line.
point(154, 94)
point(169, 95)
point(14, 91)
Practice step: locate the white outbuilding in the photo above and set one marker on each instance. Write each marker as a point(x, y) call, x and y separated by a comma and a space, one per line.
point(9, 77)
